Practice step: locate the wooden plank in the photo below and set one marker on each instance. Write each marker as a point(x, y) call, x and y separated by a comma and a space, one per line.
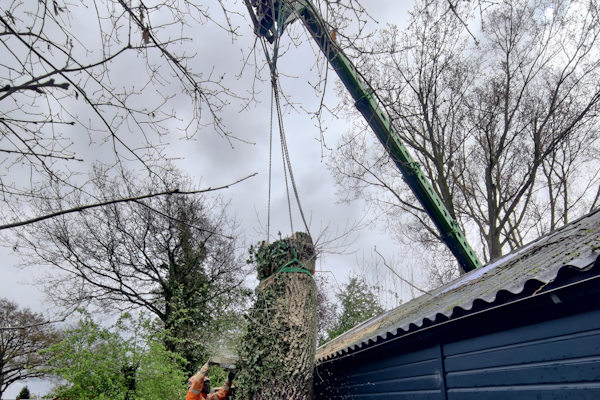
point(386, 357)
point(567, 371)
point(414, 375)
point(408, 395)
point(426, 382)
point(538, 392)
point(547, 329)
point(566, 347)
point(403, 371)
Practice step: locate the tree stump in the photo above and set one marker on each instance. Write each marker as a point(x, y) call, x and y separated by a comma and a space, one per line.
point(278, 351)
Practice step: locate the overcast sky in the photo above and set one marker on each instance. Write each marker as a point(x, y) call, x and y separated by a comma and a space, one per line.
point(212, 161)
point(213, 158)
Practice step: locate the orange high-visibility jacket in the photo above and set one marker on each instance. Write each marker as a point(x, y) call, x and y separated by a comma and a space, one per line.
point(195, 390)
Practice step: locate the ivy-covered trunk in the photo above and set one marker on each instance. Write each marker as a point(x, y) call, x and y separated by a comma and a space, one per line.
point(278, 351)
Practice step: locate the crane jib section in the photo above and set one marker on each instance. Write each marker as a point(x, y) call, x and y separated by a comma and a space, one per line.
point(367, 104)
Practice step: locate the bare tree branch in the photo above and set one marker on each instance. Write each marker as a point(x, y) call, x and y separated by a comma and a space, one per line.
point(409, 283)
point(123, 200)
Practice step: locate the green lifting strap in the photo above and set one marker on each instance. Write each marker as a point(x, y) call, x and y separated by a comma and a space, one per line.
point(287, 267)
point(295, 269)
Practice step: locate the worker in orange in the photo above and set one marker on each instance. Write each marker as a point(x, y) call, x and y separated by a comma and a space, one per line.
point(199, 386)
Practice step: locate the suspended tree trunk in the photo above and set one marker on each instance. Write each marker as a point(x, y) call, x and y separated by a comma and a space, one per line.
point(278, 351)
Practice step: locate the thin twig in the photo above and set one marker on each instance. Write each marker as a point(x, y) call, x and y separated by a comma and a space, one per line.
point(400, 277)
point(29, 153)
point(46, 322)
point(455, 12)
point(35, 87)
point(164, 215)
point(124, 200)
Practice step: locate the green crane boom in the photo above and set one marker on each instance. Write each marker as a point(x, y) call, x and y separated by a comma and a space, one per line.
point(366, 102)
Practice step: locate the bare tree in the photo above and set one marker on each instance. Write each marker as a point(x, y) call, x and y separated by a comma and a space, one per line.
point(485, 118)
point(542, 91)
point(68, 90)
point(570, 175)
point(420, 77)
point(23, 334)
point(110, 80)
point(176, 256)
point(325, 308)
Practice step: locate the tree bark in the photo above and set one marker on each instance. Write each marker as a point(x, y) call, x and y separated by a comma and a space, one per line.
point(278, 351)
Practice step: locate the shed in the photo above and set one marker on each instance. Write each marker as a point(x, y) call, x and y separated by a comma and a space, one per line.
point(526, 326)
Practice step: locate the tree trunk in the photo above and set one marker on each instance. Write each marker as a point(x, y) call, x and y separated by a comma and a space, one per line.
point(278, 351)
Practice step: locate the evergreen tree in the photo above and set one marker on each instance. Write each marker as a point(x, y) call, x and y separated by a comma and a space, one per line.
point(358, 301)
point(24, 394)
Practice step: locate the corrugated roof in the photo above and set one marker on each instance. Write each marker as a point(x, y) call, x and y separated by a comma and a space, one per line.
point(575, 245)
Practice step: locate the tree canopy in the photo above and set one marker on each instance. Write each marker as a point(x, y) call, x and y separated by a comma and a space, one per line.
point(23, 334)
point(358, 302)
point(502, 119)
point(24, 393)
point(177, 257)
point(124, 362)
point(68, 99)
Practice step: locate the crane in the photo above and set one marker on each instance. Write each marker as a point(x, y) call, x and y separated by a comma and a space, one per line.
point(270, 18)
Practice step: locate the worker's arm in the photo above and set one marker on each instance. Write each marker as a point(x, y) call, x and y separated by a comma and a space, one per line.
point(223, 392)
point(197, 381)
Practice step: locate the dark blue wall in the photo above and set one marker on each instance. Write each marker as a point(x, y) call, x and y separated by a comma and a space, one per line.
point(556, 359)
point(414, 375)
